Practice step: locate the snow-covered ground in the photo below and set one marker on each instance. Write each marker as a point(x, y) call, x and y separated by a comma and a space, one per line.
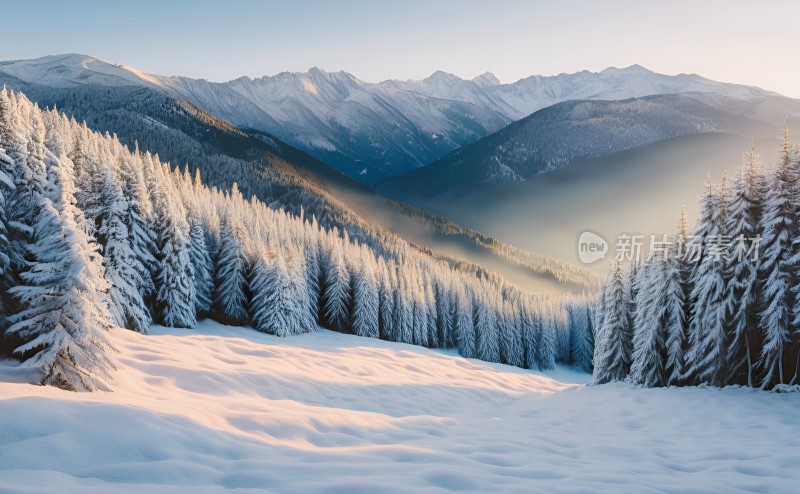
point(220, 408)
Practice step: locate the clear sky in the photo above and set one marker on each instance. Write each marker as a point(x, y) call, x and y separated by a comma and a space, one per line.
point(750, 42)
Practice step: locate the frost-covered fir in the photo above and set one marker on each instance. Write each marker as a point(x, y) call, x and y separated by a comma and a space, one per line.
point(744, 289)
point(64, 316)
point(613, 340)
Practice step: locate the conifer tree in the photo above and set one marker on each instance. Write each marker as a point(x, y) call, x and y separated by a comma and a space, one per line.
point(175, 296)
point(677, 294)
point(744, 289)
point(202, 266)
point(464, 326)
point(581, 336)
point(277, 306)
point(122, 267)
point(531, 334)
point(230, 297)
point(336, 295)
point(709, 330)
point(64, 316)
point(649, 335)
point(388, 286)
point(6, 188)
point(547, 345)
point(137, 213)
point(365, 299)
point(614, 338)
point(776, 270)
point(488, 345)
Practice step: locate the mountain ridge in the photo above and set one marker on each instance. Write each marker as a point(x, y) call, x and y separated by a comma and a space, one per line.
point(560, 134)
point(372, 130)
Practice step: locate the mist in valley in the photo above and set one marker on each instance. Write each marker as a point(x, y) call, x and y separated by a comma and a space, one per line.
point(635, 192)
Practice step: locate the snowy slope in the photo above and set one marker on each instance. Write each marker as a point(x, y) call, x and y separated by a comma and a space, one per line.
point(72, 70)
point(222, 408)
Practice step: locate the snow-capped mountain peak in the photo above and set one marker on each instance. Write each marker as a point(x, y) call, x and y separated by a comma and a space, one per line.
point(486, 79)
point(441, 76)
point(634, 69)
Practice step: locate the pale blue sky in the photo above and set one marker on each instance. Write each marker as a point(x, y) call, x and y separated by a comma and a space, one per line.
point(737, 41)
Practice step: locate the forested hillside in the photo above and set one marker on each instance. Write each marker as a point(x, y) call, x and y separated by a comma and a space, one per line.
point(284, 177)
point(98, 236)
point(719, 306)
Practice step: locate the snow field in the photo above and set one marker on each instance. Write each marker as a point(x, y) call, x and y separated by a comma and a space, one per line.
point(220, 408)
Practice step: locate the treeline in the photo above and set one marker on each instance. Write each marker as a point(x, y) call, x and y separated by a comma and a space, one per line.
point(185, 135)
point(721, 306)
point(96, 236)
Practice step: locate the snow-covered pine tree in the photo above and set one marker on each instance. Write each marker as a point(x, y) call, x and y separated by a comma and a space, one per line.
point(792, 350)
point(633, 283)
point(365, 298)
point(531, 333)
point(677, 294)
point(419, 311)
point(388, 286)
point(29, 178)
point(779, 222)
point(230, 296)
point(276, 306)
point(312, 267)
point(709, 329)
point(404, 309)
point(6, 188)
point(431, 328)
point(511, 350)
point(202, 266)
point(307, 298)
point(696, 250)
point(649, 335)
point(175, 295)
point(444, 315)
point(122, 268)
point(614, 338)
point(598, 316)
point(464, 325)
point(336, 299)
point(64, 316)
point(744, 292)
point(581, 335)
point(488, 345)
point(137, 219)
point(563, 334)
point(547, 346)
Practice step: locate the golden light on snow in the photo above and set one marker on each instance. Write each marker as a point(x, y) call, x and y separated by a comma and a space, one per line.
point(309, 87)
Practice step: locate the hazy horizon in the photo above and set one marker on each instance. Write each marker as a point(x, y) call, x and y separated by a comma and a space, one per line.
point(738, 42)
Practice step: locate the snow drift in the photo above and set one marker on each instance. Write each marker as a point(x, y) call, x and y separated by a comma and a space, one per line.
point(221, 408)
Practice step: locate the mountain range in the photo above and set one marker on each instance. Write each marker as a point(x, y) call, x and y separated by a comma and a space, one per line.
point(373, 130)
